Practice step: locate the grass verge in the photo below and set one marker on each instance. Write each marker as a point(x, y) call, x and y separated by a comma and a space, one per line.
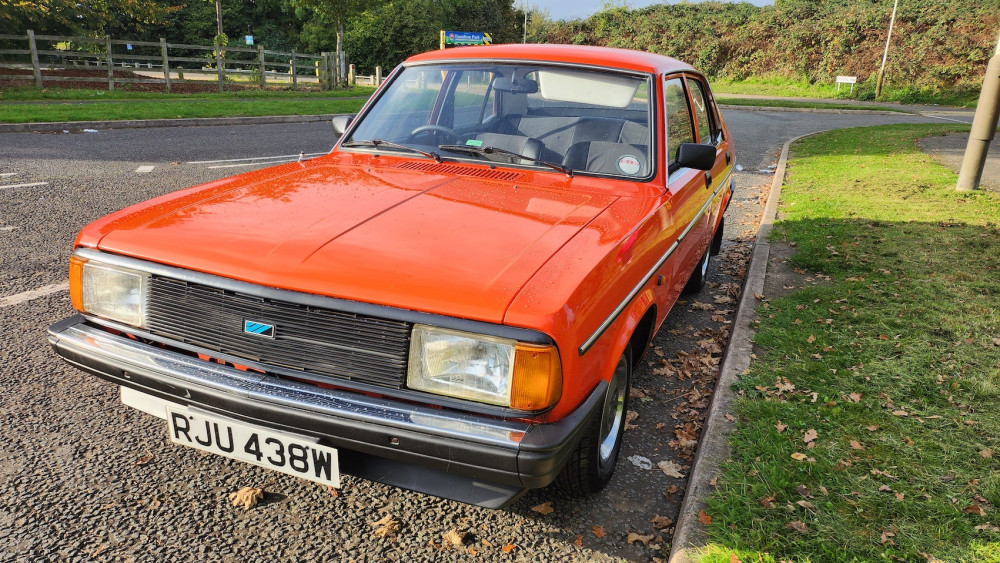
point(779, 103)
point(199, 107)
point(869, 423)
point(965, 96)
point(73, 94)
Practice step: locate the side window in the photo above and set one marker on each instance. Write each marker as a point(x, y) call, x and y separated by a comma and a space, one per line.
point(680, 129)
point(471, 91)
point(701, 109)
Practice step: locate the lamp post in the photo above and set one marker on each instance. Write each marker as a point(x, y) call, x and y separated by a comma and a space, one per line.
point(885, 55)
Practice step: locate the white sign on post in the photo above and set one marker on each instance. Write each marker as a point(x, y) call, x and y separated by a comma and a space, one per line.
point(852, 80)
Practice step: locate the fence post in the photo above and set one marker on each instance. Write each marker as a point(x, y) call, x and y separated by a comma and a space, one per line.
point(166, 63)
point(294, 69)
point(332, 71)
point(34, 59)
point(260, 63)
point(111, 64)
point(351, 76)
point(218, 65)
point(323, 70)
point(378, 76)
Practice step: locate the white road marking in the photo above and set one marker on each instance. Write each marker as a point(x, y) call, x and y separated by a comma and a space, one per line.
point(144, 169)
point(32, 185)
point(284, 156)
point(945, 118)
point(249, 164)
point(8, 174)
point(33, 294)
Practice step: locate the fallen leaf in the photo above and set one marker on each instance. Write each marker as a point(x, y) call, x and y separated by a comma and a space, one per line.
point(811, 339)
point(247, 497)
point(781, 427)
point(989, 527)
point(704, 518)
point(578, 541)
point(802, 490)
point(333, 491)
point(734, 559)
point(900, 496)
point(856, 445)
point(974, 509)
point(798, 456)
point(873, 428)
point(768, 502)
point(544, 508)
point(854, 397)
point(810, 436)
point(996, 341)
point(634, 537)
point(730, 417)
point(454, 538)
point(507, 548)
point(598, 531)
point(385, 527)
point(670, 469)
point(757, 296)
point(900, 413)
point(660, 522)
point(886, 534)
point(145, 459)
point(987, 453)
point(630, 417)
point(884, 488)
point(798, 526)
point(806, 504)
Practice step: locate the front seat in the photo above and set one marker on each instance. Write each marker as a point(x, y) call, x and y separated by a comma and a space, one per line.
point(601, 157)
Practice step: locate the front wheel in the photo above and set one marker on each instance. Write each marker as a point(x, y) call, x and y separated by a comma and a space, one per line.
point(697, 280)
point(593, 462)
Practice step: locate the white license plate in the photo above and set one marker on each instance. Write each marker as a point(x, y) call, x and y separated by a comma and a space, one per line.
point(295, 455)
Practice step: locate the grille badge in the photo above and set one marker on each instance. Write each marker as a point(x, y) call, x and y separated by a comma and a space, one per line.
point(259, 329)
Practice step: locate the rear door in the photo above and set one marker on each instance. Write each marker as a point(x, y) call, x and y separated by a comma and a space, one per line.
point(710, 131)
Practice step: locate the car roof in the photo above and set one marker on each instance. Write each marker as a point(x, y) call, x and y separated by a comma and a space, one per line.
point(576, 54)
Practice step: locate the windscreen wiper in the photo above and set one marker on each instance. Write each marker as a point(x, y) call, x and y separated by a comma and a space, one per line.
point(494, 150)
point(383, 143)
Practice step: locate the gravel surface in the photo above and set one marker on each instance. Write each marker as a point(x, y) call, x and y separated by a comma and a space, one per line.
point(83, 477)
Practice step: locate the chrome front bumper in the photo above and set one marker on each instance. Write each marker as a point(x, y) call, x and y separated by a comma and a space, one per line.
point(466, 457)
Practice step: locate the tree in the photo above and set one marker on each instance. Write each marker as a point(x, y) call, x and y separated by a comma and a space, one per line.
point(83, 17)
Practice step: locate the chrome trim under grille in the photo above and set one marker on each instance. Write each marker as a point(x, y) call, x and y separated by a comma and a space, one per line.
point(306, 338)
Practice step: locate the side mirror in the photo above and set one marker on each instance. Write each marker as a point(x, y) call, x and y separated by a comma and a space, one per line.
point(697, 156)
point(340, 124)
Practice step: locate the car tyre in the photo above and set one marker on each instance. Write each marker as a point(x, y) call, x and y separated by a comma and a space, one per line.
point(593, 462)
point(697, 280)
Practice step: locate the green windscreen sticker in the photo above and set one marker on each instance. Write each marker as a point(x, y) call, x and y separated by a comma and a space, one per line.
point(474, 143)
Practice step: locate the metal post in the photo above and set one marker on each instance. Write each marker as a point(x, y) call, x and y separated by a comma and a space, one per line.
point(885, 55)
point(294, 70)
point(218, 66)
point(984, 127)
point(260, 62)
point(166, 63)
point(37, 68)
point(111, 65)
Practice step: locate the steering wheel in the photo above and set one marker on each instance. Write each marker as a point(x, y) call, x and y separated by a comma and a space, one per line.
point(448, 136)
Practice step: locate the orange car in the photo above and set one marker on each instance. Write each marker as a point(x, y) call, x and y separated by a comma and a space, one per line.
point(451, 301)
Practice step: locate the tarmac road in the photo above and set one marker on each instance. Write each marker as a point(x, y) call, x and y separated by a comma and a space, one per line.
point(71, 486)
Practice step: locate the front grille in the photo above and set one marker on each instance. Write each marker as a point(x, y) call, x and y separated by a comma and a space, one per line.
point(308, 339)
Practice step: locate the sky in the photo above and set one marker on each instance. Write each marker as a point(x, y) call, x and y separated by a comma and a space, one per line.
point(573, 9)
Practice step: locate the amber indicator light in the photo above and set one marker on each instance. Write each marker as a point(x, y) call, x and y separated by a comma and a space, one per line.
point(76, 282)
point(537, 378)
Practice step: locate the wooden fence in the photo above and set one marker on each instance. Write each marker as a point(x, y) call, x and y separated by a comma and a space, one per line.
point(154, 61)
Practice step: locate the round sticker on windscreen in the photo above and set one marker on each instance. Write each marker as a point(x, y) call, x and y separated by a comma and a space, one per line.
point(629, 165)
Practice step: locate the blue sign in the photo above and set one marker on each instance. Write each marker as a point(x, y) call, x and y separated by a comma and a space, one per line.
point(128, 46)
point(467, 38)
point(249, 39)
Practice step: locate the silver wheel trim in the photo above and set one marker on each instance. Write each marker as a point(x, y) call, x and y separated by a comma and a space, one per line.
point(704, 264)
point(613, 413)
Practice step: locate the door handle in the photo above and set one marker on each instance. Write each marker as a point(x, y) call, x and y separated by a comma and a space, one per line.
point(708, 179)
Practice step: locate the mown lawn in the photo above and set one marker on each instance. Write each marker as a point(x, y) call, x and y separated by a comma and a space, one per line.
point(157, 109)
point(869, 421)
